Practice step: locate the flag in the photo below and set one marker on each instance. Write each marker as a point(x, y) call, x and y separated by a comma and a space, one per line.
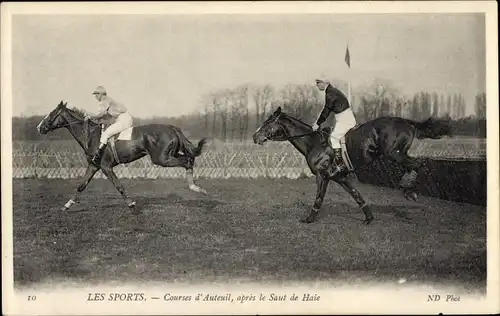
point(347, 57)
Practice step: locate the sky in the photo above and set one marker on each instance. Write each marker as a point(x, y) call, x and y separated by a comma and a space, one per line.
point(164, 65)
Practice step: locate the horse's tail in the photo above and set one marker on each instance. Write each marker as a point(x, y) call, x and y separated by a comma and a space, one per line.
point(434, 128)
point(196, 151)
point(188, 148)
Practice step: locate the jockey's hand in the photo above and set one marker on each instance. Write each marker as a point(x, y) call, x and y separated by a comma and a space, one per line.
point(90, 118)
point(315, 127)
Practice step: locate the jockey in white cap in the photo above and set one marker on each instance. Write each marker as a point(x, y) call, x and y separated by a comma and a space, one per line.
point(336, 102)
point(113, 111)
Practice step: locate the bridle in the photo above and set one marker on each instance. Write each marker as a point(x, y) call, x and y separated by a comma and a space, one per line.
point(58, 113)
point(53, 118)
point(64, 125)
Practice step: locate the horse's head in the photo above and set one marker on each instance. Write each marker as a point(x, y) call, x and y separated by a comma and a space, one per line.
point(53, 120)
point(271, 129)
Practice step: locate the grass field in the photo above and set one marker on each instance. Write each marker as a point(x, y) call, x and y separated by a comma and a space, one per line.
point(245, 230)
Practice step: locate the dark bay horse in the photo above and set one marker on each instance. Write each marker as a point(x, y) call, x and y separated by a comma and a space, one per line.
point(163, 143)
point(389, 137)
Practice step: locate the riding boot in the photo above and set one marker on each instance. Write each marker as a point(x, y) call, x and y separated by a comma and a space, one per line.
point(97, 157)
point(338, 166)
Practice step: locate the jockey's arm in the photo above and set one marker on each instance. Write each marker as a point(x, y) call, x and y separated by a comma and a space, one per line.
point(327, 109)
point(100, 114)
point(103, 110)
point(323, 115)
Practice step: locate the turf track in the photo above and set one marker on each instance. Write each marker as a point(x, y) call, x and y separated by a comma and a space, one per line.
point(246, 230)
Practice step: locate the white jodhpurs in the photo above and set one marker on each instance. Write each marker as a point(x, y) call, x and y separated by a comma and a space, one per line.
point(343, 123)
point(123, 121)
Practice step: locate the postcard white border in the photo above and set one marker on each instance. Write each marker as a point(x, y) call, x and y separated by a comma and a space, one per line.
point(376, 299)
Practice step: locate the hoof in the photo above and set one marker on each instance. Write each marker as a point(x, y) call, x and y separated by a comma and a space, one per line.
point(410, 195)
point(368, 221)
point(198, 189)
point(311, 218)
point(307, 220)
point(135, 210)
point(132, 205)
point(68, 204)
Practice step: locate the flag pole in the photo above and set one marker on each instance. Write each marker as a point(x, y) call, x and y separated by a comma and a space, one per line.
point(349, 87)
point(348, 62)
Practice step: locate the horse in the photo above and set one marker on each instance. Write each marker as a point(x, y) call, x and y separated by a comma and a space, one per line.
point(163, 144)
point(383, 137)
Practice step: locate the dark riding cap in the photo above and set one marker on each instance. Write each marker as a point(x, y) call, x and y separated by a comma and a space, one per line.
point(322, 79)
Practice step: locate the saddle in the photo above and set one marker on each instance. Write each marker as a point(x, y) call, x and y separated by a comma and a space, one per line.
point(124, 135)
point(326, 131)
point(345, 154)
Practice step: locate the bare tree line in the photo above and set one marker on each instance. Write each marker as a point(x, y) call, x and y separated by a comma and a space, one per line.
point(231, 112)
point(234, 114)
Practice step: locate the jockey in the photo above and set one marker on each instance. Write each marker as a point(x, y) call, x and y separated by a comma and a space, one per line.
point(113, 111)
point(336, 102)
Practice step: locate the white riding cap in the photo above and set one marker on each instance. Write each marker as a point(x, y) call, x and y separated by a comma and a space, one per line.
point(99, 90)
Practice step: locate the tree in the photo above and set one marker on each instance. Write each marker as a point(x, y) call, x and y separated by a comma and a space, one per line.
point(461, 104)
point(215, 109)
point(480, 105)
point(442, 105)
point(206, 116)
point(301, 100)
point(435, 104)
point(398, 111)
point(262, 96)
point(415, 107)
point(449, 109)
point(377, 99)
point(240, 95)
point(220, 104)
point(425, 105)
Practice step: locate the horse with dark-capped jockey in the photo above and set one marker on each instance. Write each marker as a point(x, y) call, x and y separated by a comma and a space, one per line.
point(121, 142)
point(334, 153)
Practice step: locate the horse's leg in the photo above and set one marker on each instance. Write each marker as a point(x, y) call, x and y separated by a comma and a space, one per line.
point(347, 185)
point(410, 177)
point(189, 176)
point(179, 161)
point(110, 174)
point(408, 180)
point(321, 187)
point(89, 174)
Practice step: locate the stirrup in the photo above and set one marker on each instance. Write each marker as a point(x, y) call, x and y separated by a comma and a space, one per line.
point(339, 169)
point(96, 159)
point(338, 164)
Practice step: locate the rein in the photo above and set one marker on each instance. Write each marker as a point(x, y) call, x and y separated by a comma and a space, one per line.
point(66, 125)
point(85, 128)
point(299, 121)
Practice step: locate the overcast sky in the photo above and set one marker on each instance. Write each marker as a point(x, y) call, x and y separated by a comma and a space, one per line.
point(162, 65)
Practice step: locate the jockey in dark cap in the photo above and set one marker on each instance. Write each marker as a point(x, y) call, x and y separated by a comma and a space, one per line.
point(336, 102)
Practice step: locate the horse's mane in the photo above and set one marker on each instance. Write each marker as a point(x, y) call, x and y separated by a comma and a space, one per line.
point(78, 112)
